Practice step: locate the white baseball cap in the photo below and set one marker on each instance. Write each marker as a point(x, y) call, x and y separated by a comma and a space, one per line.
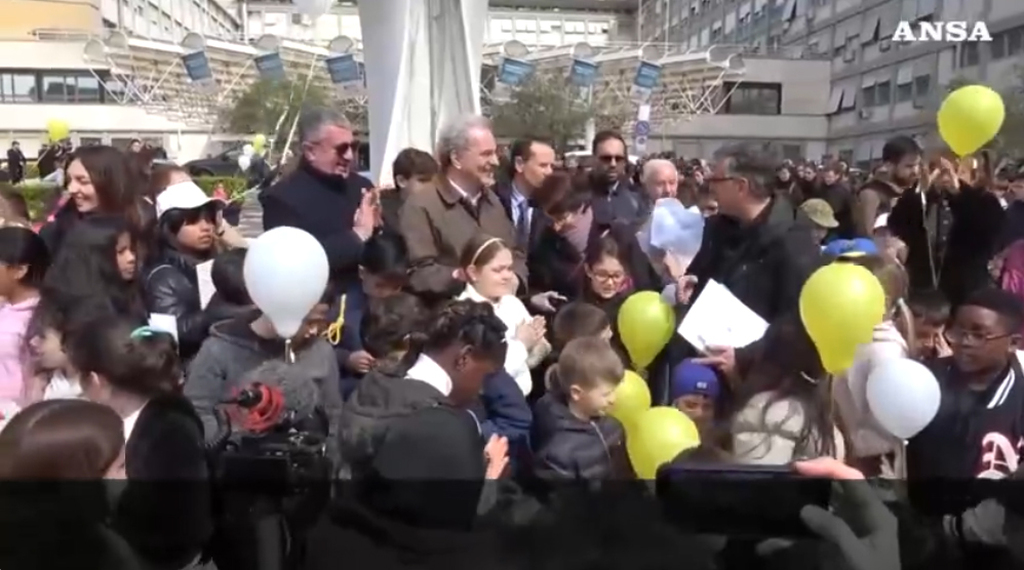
point(181, 196)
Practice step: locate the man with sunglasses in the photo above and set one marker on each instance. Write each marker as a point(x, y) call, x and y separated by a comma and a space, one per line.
point(323, 196)
point(617, 199)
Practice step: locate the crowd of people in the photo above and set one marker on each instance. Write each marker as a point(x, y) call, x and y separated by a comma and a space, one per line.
point(466, 354)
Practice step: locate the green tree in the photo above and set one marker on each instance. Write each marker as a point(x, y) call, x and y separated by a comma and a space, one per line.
point(546, 106)
point(258, 108)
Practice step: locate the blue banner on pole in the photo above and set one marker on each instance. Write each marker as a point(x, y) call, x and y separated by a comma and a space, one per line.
point(197, 66)
point(270, 66)
point(343, 69)
point(582, 73)
point(647, 76)
point(514, 71)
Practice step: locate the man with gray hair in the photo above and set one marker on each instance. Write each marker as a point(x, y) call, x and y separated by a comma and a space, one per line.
point(437, 223)
point(323, 196)
point(755, 246)
point(660, 179)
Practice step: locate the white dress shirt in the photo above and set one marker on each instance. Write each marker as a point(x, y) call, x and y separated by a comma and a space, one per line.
point(130, 421)
point(426, 369)
point(516, 202)
point(513, 313)
point(473, 198)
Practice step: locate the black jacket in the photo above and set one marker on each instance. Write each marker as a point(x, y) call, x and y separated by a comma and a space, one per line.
point(764, 264)
point(172, 288)
point(566, 447)
point(383, 396)
point(977, 219)
point(416, 506)
point(325, 206)
point(165, 510)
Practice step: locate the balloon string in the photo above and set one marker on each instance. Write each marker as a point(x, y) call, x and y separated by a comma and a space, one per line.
point(289, 354)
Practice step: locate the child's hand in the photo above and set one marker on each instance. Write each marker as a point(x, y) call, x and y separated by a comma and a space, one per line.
point(496, 456)
point(942, 348)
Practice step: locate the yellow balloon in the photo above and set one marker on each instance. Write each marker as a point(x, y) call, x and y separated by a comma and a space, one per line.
point(57, 130)
point(656, 437)
point(259, 142)
point(646, 323)
point(970, 117)
point(840, 305)
point(632, 397)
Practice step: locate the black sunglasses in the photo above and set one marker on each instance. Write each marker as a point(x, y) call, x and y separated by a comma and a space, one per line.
point(611, 158)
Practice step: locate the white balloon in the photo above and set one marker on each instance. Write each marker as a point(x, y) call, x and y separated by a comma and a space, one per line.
point(313, 8)
point(248, 150)
point(286, 273)
point(903, 395)
point(244, 162)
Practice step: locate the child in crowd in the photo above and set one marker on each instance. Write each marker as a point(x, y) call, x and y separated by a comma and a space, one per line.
point(24, 260)
point(231, 298)
point(573, 437)
point(694, 391)
point(573, 321)
point(822, 217)
point(239, 345)
point(52, 375)
point(383, 273)
point(875, 450)
point(931, 312)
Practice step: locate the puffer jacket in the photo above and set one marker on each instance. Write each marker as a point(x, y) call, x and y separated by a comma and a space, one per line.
point(566, 447)
point(383, 396)
point(172, 288)
point(767, 432)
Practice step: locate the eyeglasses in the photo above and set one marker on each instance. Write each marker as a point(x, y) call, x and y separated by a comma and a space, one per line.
point(609, 277)
point(960, 336)
point(343, 148)
point(611, 158)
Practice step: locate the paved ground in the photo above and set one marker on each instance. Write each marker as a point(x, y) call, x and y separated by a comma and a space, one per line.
point(250, 222)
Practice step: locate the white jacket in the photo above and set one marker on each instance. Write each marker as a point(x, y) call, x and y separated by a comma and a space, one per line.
point(867, 437)
point(513, 313)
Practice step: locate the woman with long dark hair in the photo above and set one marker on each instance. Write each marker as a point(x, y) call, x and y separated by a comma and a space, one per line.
point(783, 412)
point(99, 181)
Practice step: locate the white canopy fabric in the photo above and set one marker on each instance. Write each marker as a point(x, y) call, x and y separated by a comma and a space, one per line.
point(423, 61)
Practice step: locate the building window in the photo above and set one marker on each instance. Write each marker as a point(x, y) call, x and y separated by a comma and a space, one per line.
point(867, 95)
point(17, 88)
point(793, 151)
point(904, 92)
point(922, 85)
point(1015, 41)
point(968, 54)
point(883, 93)
point(846, 156)
point(753, 99)
point(70, 88)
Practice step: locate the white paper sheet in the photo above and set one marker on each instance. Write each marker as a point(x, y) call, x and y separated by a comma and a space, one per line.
point(205, 280)
point(166, 323)
point(718, 318)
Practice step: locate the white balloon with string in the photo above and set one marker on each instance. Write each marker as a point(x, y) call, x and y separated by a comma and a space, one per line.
point(286, 272)
point(903, 396)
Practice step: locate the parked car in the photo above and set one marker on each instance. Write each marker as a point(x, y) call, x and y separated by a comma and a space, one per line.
point(223, 164)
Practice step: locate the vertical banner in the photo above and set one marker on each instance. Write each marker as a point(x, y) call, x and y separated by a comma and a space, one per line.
point(344, 70)
point(647, 76)
point(582, 73)
point(270, 66)
point(514, 71)
point(197, 66)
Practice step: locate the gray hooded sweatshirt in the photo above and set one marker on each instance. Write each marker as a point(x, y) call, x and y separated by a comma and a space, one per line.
point(233, 349)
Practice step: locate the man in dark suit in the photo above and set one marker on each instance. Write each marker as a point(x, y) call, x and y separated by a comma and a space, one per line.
point(531, 161)
point(323, 196)
point(16, 163)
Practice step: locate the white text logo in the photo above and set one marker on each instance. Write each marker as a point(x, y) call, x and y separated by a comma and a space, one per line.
point(941, 32)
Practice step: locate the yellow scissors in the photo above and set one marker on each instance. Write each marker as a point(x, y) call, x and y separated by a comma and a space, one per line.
point(333, 332)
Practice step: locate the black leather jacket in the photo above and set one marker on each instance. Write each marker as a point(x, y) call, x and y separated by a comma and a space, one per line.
point(172, 288)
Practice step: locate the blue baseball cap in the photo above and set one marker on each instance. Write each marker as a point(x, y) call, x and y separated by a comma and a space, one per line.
point(851, 247)
point(688, 377)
